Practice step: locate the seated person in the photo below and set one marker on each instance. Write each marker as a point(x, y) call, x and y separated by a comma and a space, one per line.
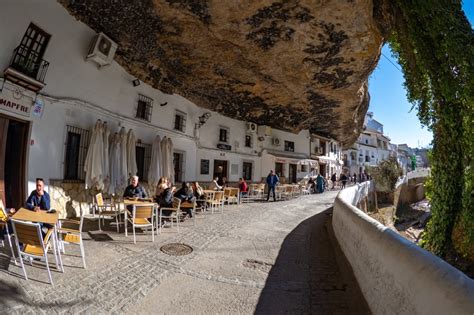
point(162, 185)
point(134, 190)
point(199, 194)
point(165, 199)
point(215, 185)
point(244, 188)
point(38, 199)
point(185, 193)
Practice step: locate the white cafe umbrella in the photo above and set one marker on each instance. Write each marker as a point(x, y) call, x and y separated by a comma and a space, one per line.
point(123, 171)
point(170, 159)
point(105, 158)
point(131, 154)
point(114, 164)
point(154, 172)
point(164, 154)
point(93, 163)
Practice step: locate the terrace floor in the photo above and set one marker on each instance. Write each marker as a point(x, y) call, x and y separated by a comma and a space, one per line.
point(266, 258)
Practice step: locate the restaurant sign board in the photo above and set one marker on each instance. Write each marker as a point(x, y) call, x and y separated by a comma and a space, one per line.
point(224, 146)
point(19, 106)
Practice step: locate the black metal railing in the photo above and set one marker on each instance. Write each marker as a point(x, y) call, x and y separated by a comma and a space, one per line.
point(29, 63)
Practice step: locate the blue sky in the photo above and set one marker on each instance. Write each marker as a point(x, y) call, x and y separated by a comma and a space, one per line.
point(389, 102)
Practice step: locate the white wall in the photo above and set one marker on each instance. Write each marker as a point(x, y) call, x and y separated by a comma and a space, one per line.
point(395, 275)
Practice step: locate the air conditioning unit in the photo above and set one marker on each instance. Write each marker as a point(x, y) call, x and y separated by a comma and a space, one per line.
point(102, 50)
point(251, 127)
point(276, 141)
point(264, 131)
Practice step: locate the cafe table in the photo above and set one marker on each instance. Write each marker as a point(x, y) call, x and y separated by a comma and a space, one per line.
point(131, 202)
point(43, 217)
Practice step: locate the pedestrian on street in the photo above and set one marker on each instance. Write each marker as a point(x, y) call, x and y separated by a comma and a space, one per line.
point(272, 180)
point(343, 179)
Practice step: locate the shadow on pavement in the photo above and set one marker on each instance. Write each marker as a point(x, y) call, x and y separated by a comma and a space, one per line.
point(311, 275)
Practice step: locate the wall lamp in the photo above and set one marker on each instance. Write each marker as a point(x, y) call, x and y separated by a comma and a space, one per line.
point(202, 119)
point(136, 82)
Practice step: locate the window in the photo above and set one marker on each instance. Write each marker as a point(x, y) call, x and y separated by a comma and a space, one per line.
point(204, 167)
point(77, 142)
point(143, 157)
point(180, 121)
point(279, 169)
point(144, 107)
point(223, 134)
point(366, 141)
point(248, 141)
point(289, 146)
point(247, 170)
point(304, 168)
point(28, 57)
point(178, 163)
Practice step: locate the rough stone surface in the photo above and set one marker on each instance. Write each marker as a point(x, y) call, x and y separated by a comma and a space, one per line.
point(294, 65)
point(267, 258)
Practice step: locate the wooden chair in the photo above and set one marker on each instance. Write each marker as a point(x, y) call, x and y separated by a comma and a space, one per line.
point(234, 196)
point(4, 225)
point(34, 245)
point(218, 201)
point(227, 192)
point(106, 210)
point(70, 232)
point(174, 215)
point(209, 198)
point(143, 216)
point(189, 205)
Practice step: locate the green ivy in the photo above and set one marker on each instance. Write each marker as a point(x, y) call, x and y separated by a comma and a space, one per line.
point(434, 44)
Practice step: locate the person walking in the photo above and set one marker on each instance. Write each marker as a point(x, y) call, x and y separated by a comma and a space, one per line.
point(272, 180)
point(343, 179)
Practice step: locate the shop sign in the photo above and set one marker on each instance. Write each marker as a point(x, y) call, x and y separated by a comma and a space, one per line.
point(38, 107)
point(223, 146)
point(15, 106)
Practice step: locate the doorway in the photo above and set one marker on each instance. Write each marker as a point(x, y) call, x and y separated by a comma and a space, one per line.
point(292, 173)
point(322, 169)
point(13, 142)
point(220, 169)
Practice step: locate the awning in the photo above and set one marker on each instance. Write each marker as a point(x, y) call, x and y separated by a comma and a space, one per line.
point(308, 162)
point(287, 157)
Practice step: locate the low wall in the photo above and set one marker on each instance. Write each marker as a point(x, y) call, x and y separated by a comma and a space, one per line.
point(395, 275)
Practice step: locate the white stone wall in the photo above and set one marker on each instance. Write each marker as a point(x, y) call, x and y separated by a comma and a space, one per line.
point(394, 274)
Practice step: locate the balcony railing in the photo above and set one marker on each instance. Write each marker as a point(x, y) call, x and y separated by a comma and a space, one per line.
point(29, 63)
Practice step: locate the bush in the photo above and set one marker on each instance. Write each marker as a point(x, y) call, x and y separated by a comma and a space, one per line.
point(386, 174)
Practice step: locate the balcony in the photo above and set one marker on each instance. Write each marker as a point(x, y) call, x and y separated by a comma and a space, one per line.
point(27, 69)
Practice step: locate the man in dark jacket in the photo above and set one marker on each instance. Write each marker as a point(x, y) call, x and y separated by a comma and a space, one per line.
point(272, 180)
point(134, 190)
point(38, 199)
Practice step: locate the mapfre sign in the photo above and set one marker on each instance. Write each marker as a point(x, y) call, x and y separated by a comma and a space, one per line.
point(16, 106)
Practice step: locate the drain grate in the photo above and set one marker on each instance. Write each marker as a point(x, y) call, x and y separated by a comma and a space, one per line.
point(176, 249)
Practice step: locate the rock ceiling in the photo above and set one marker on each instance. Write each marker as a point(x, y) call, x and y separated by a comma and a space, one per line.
point(292, 65)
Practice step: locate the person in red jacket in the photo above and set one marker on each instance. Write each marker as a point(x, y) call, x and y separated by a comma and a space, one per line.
point(244, 188)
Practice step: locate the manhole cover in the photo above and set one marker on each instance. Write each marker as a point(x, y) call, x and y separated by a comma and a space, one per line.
point(176, 249)
point(100, 237)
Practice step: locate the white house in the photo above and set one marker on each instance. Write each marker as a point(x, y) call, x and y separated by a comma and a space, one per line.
point(59, 78)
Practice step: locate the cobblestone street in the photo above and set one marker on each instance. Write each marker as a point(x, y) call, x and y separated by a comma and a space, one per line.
point(259, 257)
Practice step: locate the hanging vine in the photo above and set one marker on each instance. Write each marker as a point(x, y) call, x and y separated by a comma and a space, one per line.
point(434, 44)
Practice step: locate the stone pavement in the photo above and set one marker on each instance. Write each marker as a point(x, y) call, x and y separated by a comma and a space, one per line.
point(260, 257)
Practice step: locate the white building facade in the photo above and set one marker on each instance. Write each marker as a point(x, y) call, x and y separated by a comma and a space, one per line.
point(51, 97)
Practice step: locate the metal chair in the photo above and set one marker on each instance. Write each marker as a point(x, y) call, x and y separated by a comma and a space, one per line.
point(174, 214)
point(4, 224)
point(218, 201)
point(143, 216)
point(106, 210)
point(70, 232)
point(34, 245)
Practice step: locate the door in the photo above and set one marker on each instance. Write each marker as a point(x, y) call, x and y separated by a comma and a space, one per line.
point(220, 169)
point(292, 173)
point(3, 145)
point(33, 46)
point(322, 170)
point(13, 141)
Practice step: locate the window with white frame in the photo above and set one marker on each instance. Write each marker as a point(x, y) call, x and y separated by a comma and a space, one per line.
point(248, 141)
point(180, 121)
point(223, 134)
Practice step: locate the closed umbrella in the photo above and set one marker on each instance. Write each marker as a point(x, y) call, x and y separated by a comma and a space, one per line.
point(105, 159)
point(131, 154)
point(114, 164)
point(123, 171)
point(154, 172)
point(164, 154)
point(93, 163)
point(170, 159)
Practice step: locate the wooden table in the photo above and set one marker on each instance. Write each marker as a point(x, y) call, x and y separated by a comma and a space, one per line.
point(131, 202)
point(43, 217)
